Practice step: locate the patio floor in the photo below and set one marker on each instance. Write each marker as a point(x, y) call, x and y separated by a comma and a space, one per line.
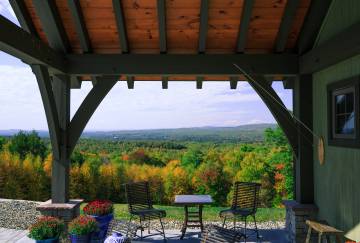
point(192, 236)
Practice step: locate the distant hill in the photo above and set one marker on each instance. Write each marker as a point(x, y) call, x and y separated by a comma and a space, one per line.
point(243, 133)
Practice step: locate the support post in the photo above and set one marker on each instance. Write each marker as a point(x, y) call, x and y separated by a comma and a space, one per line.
point(304, 177)
point(61, 165)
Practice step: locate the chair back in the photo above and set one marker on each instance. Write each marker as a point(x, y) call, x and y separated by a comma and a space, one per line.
point(138, 196)
point(246, 196)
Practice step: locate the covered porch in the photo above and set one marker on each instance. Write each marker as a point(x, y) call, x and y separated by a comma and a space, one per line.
point(306, 45)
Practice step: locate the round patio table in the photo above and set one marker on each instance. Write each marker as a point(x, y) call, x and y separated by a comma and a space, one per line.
point(192, 218)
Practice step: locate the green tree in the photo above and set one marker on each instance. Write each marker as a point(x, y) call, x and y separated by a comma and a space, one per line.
point(27, 143)
point(275, 137)
point(2, 142)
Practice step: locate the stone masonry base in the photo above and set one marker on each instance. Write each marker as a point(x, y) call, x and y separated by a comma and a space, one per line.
point(296, 215)
point(64, 211)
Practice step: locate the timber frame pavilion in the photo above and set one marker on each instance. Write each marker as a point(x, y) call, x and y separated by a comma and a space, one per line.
point(66, 42)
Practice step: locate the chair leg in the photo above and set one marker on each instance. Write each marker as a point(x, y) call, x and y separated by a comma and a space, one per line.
point(224, 222)
point(245, 227)
point(234, 221)
point(163, 230)
point(149, 227)
point(141, 229)
point(256, 229)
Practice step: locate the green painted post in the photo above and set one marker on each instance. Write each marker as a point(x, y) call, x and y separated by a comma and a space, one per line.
point(61, 165)
point(304, 175)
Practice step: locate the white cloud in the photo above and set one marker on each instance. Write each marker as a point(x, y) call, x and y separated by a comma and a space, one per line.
point(147, 106)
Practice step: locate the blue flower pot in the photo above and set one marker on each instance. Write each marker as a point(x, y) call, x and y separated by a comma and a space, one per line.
point(52, 240)
point(80, 238)
point(103, 223)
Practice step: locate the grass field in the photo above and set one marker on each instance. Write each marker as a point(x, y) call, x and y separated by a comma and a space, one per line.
point(209, 213)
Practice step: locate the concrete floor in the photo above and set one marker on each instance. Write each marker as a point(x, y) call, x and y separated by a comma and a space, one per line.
point(192, 236)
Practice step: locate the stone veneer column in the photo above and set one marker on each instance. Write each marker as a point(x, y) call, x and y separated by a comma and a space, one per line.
point(296, 215)
point(64, 211)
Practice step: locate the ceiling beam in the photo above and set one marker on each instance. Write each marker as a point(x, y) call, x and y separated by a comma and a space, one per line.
point(181, 64)
point(244, 25)
point(233, 82)
point(204, 12)
point(161, 11)
point(23, 16)
point(199, 82)
point(342, 46)
point(78, 18)
point(121, 27)
point(52, 24)
point(31, 50)
point(312, 24)
point(285, 26)
point(165, 82)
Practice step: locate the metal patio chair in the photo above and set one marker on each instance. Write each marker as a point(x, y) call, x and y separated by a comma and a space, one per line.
point(217, 234)
point(140, 206)
point(244, 204)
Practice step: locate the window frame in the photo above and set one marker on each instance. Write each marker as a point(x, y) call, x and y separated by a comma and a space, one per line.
point(334, 89)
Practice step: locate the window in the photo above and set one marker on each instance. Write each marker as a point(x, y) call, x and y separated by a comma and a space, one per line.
point(344, 113)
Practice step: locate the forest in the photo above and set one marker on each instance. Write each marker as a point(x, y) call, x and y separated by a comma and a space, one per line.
point(101, 167)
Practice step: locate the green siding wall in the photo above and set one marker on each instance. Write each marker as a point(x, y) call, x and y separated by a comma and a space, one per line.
point(337, 182)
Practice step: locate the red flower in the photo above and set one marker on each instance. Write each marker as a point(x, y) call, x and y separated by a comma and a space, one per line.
point(99, 208)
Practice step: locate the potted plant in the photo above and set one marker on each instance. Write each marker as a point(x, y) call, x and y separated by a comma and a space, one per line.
point(81, 229)
point(102, 212)
point(46, 230)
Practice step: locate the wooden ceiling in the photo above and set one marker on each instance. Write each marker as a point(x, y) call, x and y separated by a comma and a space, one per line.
point(182, 24)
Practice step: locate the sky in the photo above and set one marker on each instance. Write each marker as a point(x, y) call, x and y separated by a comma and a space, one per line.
point(147, 106)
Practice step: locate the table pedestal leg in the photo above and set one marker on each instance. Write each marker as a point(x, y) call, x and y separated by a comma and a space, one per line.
point(195, 220)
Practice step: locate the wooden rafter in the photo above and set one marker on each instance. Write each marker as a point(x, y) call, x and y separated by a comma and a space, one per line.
point(199, 82)
point(244, 25)
point(233, 82)
point(285, 26)
point(204, 14)
point(81, 30)
point(52, 24)
point(121, 27)
point(164, 82)
point(312, 24)
point(130, 82)
point(161, 12)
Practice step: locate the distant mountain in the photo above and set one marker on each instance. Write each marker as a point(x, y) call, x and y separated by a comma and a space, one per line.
point(243, 133)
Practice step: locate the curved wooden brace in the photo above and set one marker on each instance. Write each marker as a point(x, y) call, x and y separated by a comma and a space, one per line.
point(88, 107)
point(277, 109)
point(47, 96)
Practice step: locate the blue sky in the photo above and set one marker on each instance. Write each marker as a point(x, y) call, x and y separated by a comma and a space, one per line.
point(145, 107)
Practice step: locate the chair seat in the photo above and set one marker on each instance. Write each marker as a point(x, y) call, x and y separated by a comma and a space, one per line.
point(236, 212)
point(150, 213)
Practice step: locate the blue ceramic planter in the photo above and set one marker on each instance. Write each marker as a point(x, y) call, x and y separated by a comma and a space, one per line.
point(80, 238)
point(53, 240)
point(103, 223)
